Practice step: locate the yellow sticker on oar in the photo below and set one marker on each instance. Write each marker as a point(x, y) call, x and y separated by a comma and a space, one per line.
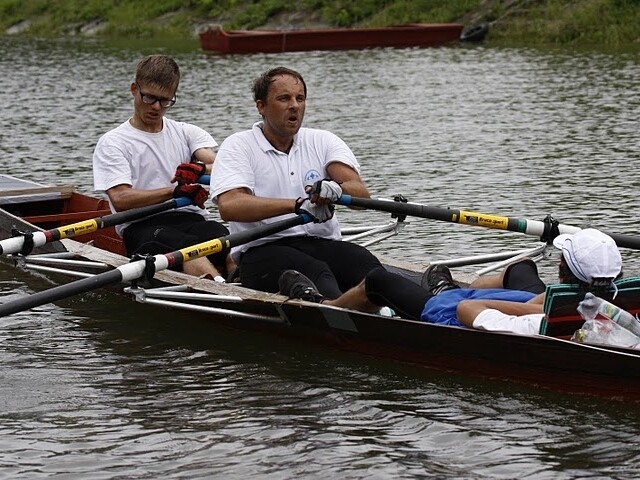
point(484, 220)
point(201, 250)
point(79, 228)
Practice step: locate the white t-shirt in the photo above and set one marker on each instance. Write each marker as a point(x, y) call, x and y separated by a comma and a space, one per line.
point(128, 156)
point(495, 320)
point(247, 160)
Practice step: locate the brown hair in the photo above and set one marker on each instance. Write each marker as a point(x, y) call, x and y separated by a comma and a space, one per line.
point(158, 70)
point(263, 82)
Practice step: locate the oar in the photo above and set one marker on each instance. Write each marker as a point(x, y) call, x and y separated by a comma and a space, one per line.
point(134, 270)
point(15, 244)
point(513, 224)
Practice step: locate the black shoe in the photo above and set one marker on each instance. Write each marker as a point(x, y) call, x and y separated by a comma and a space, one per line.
point(293, 284)
point(437, 278)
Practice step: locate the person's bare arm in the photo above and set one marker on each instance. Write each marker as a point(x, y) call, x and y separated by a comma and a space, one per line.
point(468, 310)
point(349, 181)
point(124, 197)
point(348, 178)
point(488, 281)
point(206, 156)
point(538, 299)
point(238, 205)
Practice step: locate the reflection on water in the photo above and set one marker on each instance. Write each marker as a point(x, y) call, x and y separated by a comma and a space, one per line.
point(89, 390)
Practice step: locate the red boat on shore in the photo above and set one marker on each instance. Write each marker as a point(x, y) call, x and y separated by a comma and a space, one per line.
point(272, 41)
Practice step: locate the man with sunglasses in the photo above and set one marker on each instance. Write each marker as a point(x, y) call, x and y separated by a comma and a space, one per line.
point(150, 159)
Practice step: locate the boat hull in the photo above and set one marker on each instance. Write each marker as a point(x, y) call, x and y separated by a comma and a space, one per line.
point(274, 41)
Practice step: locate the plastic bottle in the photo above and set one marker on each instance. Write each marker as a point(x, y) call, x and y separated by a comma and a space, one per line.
point(387, 312)
point(606, 332)
point(591, 306)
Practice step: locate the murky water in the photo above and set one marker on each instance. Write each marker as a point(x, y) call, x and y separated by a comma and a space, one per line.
point(91, 391)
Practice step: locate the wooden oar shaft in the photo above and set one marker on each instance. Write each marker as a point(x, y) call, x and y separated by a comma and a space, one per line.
point(15, 244)
point(134, 270)
point(513, 224)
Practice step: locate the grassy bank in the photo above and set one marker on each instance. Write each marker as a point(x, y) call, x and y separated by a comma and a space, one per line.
point(606, 23)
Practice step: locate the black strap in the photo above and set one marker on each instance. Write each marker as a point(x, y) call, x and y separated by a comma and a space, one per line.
point(27, 246)
point(399, 198)
point(551, 229)
point(149, 265)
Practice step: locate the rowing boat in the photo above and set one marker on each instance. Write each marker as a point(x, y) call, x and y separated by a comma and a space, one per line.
point(273, 41)
point(546, 361)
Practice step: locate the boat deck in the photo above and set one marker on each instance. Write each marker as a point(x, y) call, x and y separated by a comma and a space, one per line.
point(16, 190)
point(28, 204)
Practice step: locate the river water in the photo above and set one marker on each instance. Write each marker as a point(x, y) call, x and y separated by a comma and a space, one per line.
point(94, 388)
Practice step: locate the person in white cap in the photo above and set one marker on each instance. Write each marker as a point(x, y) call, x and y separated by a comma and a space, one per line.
point(512, 301)
point(589, 259)
point(589, 255)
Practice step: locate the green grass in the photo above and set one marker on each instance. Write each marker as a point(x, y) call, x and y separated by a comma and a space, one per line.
point(602, 23)
point(610, 24)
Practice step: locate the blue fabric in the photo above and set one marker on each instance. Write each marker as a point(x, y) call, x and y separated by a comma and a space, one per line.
point(442, 308)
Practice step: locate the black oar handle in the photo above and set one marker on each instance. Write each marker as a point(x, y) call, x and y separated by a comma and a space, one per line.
point(137, 213)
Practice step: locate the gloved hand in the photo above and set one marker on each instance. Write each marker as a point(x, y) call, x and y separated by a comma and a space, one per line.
point(320, 213)
point(324, 191)
point(197, 193)
point(189, 172)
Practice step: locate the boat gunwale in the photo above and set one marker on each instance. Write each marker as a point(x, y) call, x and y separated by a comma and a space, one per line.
point(418, 27)
point(217, 39)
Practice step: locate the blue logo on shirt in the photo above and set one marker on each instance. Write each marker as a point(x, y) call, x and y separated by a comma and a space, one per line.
point(312, 176)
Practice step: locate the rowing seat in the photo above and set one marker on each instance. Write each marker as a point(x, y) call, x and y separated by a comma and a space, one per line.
point(561, 303)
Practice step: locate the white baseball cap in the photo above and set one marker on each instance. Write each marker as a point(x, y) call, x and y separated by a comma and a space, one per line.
point(590, 254)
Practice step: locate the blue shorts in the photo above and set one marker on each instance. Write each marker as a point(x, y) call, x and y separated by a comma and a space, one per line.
point(442, 308)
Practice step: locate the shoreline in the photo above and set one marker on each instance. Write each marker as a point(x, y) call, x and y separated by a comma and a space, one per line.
point(592, 24)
